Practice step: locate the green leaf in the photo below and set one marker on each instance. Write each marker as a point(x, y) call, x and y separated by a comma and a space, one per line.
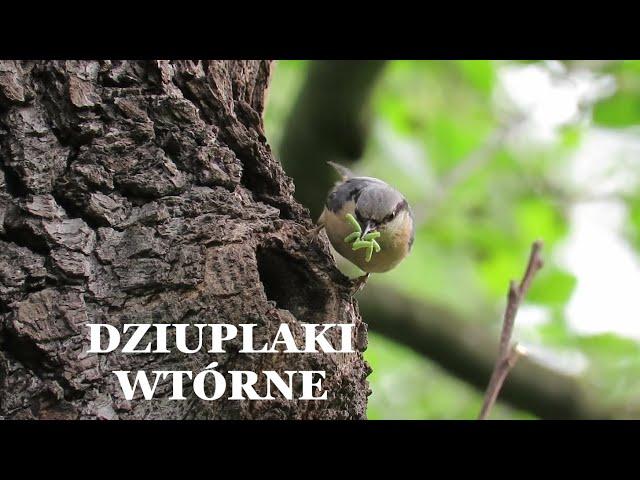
point(480, 73)
point(621, 110)
point(634, 221)
point(610, 345)
point(552, 287)
point(571, 136)
point(539, 218)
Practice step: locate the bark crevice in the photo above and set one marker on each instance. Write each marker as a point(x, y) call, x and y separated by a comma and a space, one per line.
point(141, 192)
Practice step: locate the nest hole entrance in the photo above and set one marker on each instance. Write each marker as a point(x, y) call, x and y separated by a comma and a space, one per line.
point(291, 285)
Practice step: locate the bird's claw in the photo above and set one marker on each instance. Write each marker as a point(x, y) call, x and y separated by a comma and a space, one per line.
point(315, 231)
point(359, 283)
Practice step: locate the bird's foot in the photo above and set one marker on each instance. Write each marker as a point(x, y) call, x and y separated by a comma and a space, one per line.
point(358, 284)
point(313, 234)
point(315, 231)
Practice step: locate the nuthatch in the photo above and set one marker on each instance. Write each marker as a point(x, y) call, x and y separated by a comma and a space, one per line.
point(377, 207)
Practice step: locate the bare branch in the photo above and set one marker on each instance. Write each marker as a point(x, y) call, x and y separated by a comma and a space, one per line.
point(498, 378)
point(508, 354)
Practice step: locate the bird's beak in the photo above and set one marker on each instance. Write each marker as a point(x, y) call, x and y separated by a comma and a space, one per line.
point(369, 227)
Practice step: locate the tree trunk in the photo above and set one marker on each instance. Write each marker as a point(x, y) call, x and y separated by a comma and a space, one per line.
point(145, 192)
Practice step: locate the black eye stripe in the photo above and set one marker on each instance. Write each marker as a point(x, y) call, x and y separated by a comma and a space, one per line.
point(398, 208)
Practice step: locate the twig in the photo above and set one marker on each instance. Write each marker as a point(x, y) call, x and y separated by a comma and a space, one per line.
point(508, 354)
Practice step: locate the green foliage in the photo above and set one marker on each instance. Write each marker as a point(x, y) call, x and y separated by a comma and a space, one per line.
point(633, 230)
point(614, 370)
point(429, 118)
point(286, 82)
point(552, 287)
point(623, 108)
point(406, 386)
point(479, 73)
point(447, 108)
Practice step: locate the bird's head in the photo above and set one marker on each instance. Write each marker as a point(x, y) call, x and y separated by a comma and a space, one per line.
point(383, 209)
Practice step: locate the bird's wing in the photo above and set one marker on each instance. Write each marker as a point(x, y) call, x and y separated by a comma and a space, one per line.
point(344, 172)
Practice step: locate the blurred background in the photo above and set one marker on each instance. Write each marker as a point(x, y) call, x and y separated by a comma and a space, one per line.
point(492, 155)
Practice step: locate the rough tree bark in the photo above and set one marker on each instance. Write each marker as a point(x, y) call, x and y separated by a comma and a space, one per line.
point(145, 192)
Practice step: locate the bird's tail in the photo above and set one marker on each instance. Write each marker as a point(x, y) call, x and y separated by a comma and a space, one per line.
point(344, 172)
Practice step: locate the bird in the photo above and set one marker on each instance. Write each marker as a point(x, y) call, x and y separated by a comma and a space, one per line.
point(377, 207)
